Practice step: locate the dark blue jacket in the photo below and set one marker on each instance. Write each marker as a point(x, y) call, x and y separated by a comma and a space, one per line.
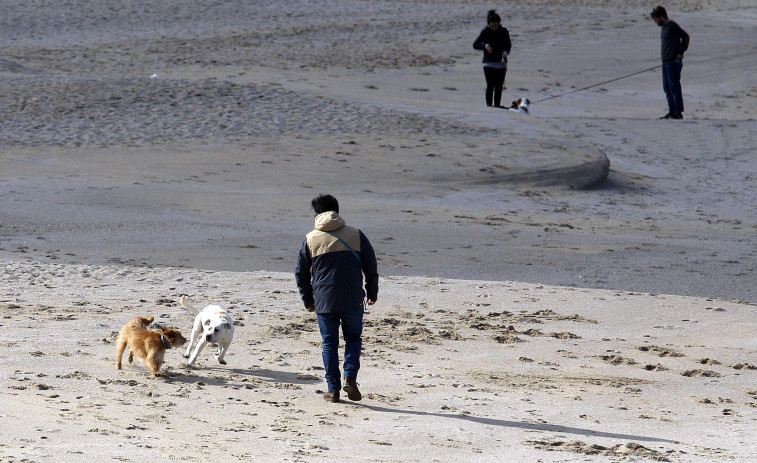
point(328, 274)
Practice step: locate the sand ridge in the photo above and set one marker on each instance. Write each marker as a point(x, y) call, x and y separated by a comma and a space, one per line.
point(211, 163)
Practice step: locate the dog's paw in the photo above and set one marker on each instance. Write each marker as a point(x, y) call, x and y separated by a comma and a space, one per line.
point(222, 362)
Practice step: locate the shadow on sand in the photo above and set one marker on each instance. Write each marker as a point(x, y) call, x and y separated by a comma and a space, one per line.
point(519, 424)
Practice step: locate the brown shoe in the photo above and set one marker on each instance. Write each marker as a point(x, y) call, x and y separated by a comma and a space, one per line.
point(331, 396)
point(350, 387)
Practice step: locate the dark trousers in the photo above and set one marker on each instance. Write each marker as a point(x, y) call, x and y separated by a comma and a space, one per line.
point(352, 330)
point(495, 80)
point(671, 84)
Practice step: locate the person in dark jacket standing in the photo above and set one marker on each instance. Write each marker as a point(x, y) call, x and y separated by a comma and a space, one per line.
point(494, 40)
point(329, 274)
point(674, 43)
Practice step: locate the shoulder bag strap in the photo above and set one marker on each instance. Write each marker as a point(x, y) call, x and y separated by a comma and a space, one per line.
point(357, 256)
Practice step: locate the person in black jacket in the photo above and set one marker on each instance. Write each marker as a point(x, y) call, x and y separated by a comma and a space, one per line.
point(494, 40)
point(674, 43)
point(329, 276)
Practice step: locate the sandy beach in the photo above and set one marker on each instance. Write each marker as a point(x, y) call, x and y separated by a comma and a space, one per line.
point(577, 284)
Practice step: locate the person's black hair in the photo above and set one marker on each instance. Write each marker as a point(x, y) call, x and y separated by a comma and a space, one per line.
point(659, 12)
point(493, 17)
point(324, 203)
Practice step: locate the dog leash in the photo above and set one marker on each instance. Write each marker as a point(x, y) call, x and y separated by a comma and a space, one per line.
point(357, 256)
point(595, 85)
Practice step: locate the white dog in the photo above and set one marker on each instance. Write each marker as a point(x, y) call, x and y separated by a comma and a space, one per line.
point(215, 326)
point(520, 105)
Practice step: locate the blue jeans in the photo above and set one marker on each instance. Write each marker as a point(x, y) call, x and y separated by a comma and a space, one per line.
point(352, 330)
point(671, 84)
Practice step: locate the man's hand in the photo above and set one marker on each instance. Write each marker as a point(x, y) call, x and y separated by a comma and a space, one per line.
point(371, 301)
point(310, 308)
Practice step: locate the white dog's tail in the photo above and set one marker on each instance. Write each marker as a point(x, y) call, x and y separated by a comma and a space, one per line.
point(187, 305)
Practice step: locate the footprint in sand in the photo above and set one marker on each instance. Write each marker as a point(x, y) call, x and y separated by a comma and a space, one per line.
point(701, 374)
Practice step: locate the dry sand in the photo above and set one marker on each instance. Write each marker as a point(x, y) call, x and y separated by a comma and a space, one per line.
point(156, 149)
point(452, 370)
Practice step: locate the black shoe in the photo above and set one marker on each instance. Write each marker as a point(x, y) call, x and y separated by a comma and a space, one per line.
point(667, 116)
point(350, 387)
point(331, 396)
point(676, 116)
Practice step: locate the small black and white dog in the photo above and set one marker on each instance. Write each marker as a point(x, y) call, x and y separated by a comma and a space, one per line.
point(520, 105)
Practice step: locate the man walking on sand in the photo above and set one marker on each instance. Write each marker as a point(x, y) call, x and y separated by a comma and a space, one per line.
point(329, 275)
point(675, 41)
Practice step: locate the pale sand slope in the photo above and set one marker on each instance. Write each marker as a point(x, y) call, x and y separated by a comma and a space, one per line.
point(259, 108)
point(453, 370)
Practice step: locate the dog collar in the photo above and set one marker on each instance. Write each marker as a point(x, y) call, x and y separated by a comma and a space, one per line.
point(165, 341)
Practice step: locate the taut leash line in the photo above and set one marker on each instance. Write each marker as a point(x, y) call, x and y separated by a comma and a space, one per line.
point(596, 85)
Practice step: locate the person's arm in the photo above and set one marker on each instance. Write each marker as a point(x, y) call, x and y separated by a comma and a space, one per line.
point(303, 277)
point(508, 42)
point(480, 42)
point(370, 269)
point(684, 41)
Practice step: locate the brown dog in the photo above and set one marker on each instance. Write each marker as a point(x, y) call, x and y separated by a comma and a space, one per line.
point(150, 346)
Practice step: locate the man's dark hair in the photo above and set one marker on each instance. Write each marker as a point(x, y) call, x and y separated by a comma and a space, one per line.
point(324, 203)
point(659, 12)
